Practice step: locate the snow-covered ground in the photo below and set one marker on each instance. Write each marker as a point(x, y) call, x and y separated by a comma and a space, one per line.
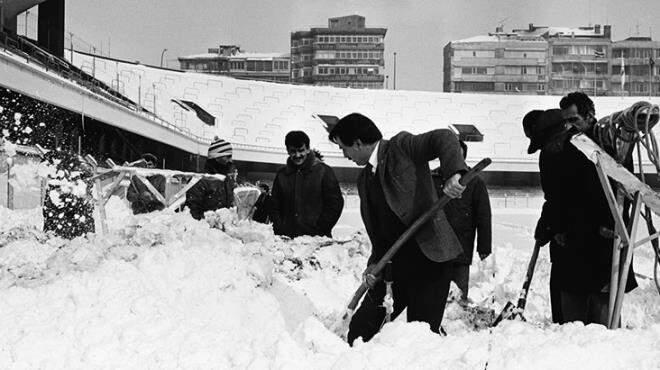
point(166, 291)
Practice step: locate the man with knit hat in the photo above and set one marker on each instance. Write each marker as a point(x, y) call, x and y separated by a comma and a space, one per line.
point(211, 193)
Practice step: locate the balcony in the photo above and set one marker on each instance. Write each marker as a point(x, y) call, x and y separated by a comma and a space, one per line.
point(344, 46)
point(374, 62)
point(361, 78)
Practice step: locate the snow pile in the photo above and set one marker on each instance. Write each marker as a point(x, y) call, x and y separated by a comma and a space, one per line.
point(163, 290)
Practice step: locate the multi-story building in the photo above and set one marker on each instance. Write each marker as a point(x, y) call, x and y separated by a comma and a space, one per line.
point(579, 59)
point(230, 60)
point(345, 54)
point(546, 60)
point(641, 67)
point(497, 63)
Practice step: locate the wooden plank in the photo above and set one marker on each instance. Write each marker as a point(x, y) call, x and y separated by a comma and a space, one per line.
point(111, 188)
point(182, 192)
point(151, 189)
point(623, 275)
point(617, 172)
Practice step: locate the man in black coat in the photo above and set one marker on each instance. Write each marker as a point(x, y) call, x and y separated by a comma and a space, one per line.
point(395, 188)
point(210, 194)
point(306, 198)
point(469, 216)
point(581, 211)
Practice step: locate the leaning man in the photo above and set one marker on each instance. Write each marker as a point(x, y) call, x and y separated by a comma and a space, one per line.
point(395, 188)
point(306, 198)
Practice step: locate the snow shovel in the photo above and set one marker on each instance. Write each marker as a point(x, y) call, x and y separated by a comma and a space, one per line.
point(341, 327)
point(511, 311)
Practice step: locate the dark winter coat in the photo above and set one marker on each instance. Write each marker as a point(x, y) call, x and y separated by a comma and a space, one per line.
point(469, 215)
point(263, 208)
point(404, 175)
point(306, 200)
point(585, 260)
point(66, 214)
point(141, 203)
point(209, 194)
point(551, 168)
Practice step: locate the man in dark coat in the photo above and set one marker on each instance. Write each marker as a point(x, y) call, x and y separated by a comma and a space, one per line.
point(469, 216)
point(141, 199)
point(395, 188)
point(584, 255)
point(210, 194)
point(68, 206)
point(550, 137)
point(306, 198)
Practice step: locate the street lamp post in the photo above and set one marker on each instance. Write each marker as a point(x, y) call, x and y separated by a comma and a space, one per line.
point(394, 77)
point(161, 57)
point(387, 80)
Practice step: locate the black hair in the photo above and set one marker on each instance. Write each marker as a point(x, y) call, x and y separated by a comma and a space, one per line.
point(353, 127)
point(581, 100)
point(464, 147)
point(296, 139)
point(530, 120)
point(150, 158)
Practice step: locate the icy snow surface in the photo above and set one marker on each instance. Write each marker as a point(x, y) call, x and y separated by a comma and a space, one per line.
point(166, 291)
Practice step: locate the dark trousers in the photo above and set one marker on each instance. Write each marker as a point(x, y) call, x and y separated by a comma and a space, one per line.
point(424, 298)
point(555, 294)
point(590, 308)
point(460, 275)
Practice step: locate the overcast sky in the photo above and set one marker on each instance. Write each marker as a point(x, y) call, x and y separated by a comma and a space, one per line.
point(416, 30)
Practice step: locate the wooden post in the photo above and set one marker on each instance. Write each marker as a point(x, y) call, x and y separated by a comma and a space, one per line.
point(100, 203)
point(10, 188)
point(628, 251)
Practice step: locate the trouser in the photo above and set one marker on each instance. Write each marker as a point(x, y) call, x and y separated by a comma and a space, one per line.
point(555, 294)
point(425, 300)
point(460, 275)
point(590, 308)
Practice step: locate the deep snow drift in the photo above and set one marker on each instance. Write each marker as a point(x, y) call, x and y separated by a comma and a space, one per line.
point(167, 291)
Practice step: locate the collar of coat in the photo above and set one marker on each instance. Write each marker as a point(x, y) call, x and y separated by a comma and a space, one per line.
point(307, 165)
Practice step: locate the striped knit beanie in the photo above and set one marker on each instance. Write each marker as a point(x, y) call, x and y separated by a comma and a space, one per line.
point(219, 148)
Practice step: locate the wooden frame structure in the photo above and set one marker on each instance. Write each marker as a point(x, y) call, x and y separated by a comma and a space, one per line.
point(625, 234)
point(119, 173)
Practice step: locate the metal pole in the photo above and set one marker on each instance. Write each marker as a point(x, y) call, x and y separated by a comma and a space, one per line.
point(71, 46)
point(27, 12)
point(154, 87)
point(595, 77)
point(387, 80)
point(139, 90)
point(650, 75)
point(394, 77)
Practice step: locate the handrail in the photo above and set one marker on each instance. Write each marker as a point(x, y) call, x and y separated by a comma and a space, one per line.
point(36, 55)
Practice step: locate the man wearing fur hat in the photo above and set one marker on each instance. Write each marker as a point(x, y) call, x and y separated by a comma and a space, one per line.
point(212, 193)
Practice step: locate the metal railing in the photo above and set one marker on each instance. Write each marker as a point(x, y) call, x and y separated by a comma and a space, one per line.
point(35, 55)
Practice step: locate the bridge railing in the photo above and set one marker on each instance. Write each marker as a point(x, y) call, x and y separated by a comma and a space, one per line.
point(34, 54)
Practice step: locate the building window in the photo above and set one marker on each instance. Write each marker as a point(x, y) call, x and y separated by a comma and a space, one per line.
point(560, 50)
point(499, 53)
point(512, 86)
point(540, 70)
point(474, 53)
point(540, 87)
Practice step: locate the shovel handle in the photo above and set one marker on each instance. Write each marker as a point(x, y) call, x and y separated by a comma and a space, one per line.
point(421, 220)
point(522, 300)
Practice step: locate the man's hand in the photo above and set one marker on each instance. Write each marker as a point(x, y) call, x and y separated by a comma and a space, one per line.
point(368, 278)
point(483, 256)
point(452, 187)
